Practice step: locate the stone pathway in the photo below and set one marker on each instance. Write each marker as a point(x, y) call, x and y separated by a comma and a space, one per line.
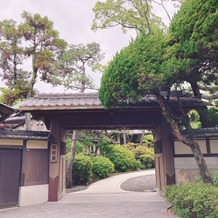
point(103, 199)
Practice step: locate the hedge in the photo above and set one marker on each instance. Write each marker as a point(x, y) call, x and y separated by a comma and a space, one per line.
point(102, 167)
point(193, 200)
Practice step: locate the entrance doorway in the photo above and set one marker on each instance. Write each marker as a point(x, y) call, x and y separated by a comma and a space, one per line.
point(10, 168)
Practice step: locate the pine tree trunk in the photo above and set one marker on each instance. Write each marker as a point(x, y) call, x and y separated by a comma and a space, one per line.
point(189, 141)
point(204, 172)
point(69, 169)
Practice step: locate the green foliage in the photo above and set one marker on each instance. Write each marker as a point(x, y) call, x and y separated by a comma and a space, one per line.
point(131, 146)
point(147, 161)
point(141, 150)
point(135, 71)
point(82, 170)
point(161, 61)
point(193, 39)
point(148, 139)
point(33, 40)
point(145, 156)
point(212, 114)
point(122, 158)
point(73, 65)
point(43, 46)
point(91, 140)
point(105, 145)
point(127, 14)
point(79, 147)
point(12, 56)
point(9, 96)
point(102, 167)
point(214, 176)
point(194, 119)
point(195, 26)
point(198, 200)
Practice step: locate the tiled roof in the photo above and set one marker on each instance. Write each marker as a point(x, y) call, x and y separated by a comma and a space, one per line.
point(15, 119)
point(61, 102)
point(91, 101)
point(5, 111)
point(204, 132)
point(22, 134)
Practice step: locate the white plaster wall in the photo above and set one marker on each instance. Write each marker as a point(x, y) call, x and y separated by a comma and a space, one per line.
point(214, 145)
point(37, 144)
point(11, 142)
point(190, 162)
point(181, 148)
point(186, 175)
point(186, 168)
point(30, 195)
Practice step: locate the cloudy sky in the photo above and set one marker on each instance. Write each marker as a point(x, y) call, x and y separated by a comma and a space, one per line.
point(73, 20)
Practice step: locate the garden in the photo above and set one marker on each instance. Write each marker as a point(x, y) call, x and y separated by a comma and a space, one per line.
point(98, 159)
point(196, 199)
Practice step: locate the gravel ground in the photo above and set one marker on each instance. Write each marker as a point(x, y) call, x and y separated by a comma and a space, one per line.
point(140, 184)
point(137, 184)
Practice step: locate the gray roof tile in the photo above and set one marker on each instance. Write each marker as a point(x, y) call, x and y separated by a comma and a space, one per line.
point(61, 102)
point(22, 134)
point(91, 101)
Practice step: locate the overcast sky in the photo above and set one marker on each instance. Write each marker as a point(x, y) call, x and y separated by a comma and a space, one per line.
point(73, 20)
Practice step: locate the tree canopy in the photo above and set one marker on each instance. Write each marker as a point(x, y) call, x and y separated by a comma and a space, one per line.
point(129, 14)
point(194, 36)
point(12, 55)
point(161, 61)
point(135, 71)
point(43, 46)
point(33, 41)
point(71, 68)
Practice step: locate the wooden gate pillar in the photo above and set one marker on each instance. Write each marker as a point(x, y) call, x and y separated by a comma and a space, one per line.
point(56, 165)
point(164, 160)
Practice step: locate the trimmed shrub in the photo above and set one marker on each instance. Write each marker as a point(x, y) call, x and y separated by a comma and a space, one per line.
point(147, 161)
point(105, 145)
point(131, 146)
point(214, 176)
point(215, 179)
point(102, 167)
point(193, 200)
point(141, 150)
point(149, 140)
point(122, 158)
point(145, 156)
point(82, 170)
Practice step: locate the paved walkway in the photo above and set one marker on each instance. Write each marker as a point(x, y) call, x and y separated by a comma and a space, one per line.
point(103, 199)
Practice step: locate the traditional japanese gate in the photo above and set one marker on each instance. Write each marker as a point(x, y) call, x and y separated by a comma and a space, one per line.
point(85, 111)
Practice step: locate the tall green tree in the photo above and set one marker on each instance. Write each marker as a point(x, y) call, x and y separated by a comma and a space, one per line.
point(74, 66)
point(142, 68)
point(129, 14)
point(36, 41)
point(193, 38)
point(43, 46)
point(188, 56)
point(11, 59)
